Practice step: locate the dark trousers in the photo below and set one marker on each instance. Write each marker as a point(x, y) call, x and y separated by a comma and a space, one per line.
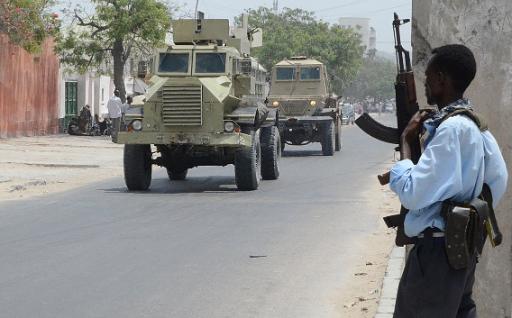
point(430, 288)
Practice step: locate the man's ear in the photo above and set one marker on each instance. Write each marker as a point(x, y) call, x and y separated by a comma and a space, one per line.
point(441, 77)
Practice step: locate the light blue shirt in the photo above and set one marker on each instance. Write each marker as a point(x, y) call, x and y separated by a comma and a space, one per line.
point(458, 159)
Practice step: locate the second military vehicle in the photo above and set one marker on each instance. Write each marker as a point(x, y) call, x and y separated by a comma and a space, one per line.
point(204, 107)
point(308, 112)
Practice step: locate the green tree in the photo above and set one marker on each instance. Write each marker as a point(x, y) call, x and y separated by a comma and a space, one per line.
point(375, 80)
point(113, 33)
point(293, 32)
point(28, 22)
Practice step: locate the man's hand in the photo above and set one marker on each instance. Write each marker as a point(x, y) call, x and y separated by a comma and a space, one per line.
point(411, 132)
point(413, 127)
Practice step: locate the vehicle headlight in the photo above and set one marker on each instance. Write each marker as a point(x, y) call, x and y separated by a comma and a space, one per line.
point(275, 103)
point(229, 126)
point(137, 124)
point(312, 103)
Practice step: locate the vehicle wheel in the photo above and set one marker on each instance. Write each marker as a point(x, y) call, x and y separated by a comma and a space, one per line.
point(328, 139)
point(137, 167)
point(177, 175)
point(338, 135)
point(247, 165)
point(270, 152)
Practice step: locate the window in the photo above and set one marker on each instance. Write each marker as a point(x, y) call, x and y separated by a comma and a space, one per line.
point(173, 62)
point(310, 73)
point(285, 74)
point(210, 63)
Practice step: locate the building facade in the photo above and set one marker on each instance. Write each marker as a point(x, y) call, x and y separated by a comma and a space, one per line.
point(362, 27)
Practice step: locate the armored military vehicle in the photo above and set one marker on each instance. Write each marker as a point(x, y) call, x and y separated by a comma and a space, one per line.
point(308, 112)
point(204, 106)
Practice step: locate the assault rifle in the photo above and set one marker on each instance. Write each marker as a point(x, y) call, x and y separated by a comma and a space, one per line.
point(406, 107)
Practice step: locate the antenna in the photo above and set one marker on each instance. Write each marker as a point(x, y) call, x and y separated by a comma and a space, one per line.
point(197, 4)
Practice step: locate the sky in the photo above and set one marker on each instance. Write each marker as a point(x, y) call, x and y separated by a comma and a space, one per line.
point(380, 12)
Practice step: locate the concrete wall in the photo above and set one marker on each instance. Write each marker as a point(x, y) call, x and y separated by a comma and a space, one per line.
point(485, 27)
point(103, 92)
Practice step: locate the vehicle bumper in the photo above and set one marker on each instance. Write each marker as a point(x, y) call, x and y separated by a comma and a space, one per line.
point(220, 139)
point(304, 119)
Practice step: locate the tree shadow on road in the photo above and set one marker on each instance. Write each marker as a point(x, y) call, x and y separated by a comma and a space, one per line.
point(219, 184)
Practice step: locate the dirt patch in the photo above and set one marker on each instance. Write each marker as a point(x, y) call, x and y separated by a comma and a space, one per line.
point(38, 166)
point(361, 297)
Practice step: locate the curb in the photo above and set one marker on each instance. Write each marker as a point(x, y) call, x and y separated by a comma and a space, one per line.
point(390, 285)
point(51, 165)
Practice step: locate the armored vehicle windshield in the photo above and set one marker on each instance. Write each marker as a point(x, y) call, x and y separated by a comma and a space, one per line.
point(210, 63)
point(285, 73)
point(191, 62)
point(174, 63)
point(308, 73)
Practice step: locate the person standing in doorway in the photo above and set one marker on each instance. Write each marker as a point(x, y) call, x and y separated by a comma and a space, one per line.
point(115, 106)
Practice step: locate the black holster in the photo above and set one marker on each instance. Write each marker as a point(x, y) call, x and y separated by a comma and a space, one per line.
point(465, 232)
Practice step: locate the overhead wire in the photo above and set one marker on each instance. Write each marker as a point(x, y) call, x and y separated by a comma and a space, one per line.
point(368, 12)
point(339, 6)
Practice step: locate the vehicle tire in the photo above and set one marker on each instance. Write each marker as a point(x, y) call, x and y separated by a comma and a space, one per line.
point(137, 167)
point(270, 140)
point(177, 175)
point(247, 165)
point(328, 138)
point(337, 145)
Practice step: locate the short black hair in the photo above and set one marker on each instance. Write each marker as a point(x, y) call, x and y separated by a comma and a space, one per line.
point(458, 62)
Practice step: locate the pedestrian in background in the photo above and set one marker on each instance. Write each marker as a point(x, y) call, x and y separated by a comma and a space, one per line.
point(115, 107)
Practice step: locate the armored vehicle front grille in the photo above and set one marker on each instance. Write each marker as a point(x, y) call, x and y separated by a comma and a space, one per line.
point(295, 108)
point(182, 105)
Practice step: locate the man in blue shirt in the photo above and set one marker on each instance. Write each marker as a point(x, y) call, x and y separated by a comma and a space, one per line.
point(457, 160)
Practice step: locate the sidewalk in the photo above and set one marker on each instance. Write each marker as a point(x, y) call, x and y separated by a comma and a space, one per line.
point(32, 166)
point(390, 285)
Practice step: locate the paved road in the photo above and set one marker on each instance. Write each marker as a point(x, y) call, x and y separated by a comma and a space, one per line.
point(196, 248)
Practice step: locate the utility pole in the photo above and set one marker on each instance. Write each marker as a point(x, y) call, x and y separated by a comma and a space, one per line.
point(197, 4)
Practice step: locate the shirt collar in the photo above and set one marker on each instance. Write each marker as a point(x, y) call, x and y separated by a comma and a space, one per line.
point(438, 116)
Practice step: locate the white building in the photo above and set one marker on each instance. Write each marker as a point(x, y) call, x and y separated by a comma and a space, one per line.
point(362, 27)
point(78, 90)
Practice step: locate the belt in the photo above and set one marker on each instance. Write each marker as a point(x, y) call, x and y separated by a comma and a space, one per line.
point(434, 234)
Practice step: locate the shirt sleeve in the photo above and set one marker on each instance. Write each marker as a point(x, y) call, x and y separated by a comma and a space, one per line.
point(496, 175)
point(436, 177)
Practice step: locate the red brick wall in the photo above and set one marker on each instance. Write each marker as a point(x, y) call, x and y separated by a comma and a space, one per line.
point(29, 90)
